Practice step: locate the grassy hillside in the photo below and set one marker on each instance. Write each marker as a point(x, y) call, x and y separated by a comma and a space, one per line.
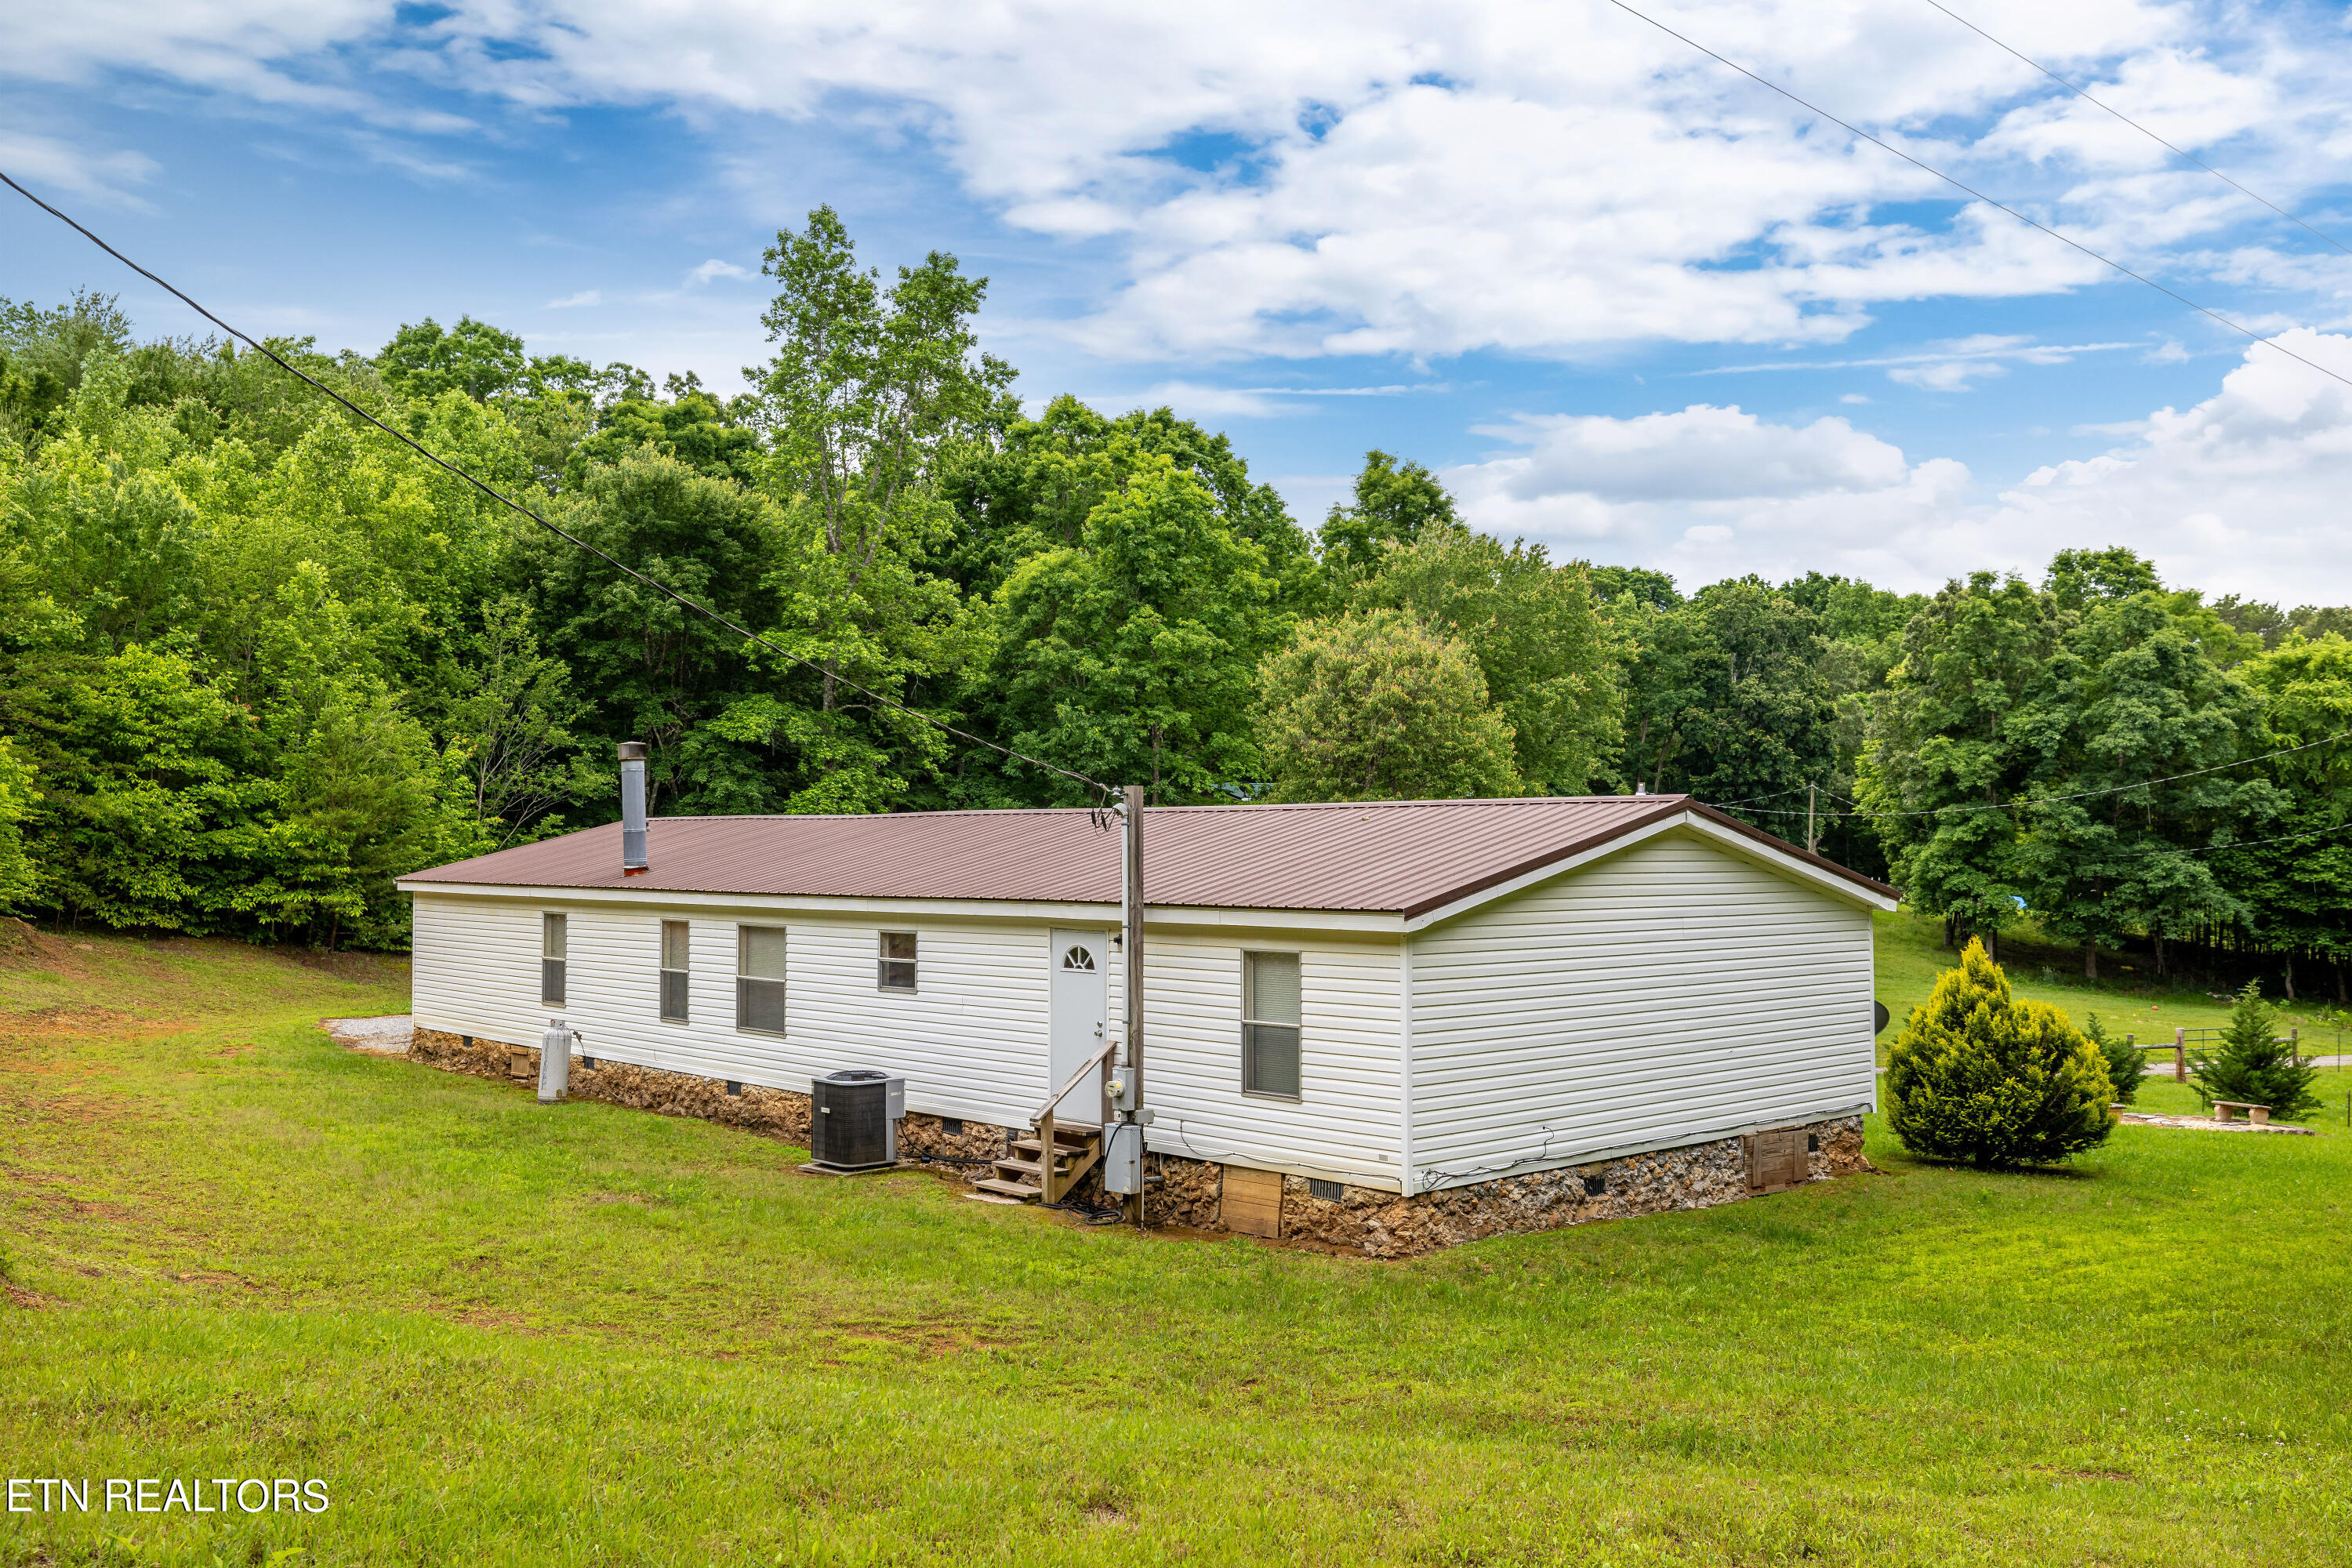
point(1911, 953)
point(500, 1334)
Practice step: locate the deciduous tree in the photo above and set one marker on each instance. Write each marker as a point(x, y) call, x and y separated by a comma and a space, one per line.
point(1393, 504)
point(1132, 656)
point(1546, 656)
point(1375, 705)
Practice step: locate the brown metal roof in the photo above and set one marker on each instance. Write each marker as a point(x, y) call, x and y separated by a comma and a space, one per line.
point(1401, 857)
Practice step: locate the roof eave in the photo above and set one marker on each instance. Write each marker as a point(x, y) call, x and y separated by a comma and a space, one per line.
point(1679, 811)
point(1388, 922)
point(1886, 893)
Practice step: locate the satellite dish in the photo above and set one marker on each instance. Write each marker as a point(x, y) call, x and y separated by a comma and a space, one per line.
point(1879, 1017)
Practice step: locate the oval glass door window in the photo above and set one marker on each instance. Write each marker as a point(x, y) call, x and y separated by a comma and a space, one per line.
point(1077, 958)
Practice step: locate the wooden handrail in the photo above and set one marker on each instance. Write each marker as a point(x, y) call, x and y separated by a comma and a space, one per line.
point(1091, 1063)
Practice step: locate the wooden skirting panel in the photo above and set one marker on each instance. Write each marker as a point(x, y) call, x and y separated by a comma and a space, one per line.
point(1776, 1159)
point(1252, 1203)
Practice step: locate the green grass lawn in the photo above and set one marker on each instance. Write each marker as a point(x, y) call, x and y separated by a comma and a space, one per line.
point(501, 1334)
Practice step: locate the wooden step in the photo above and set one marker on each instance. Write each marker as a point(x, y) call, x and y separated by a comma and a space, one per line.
point(1023, 1172)
point(1022, 1190)
point(1064, 1142)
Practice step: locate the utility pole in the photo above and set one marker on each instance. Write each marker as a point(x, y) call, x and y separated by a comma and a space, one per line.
point(1813, 840)
point(1131, 988)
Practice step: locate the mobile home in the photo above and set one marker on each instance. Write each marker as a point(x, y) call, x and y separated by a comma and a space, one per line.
point(1385, 1025)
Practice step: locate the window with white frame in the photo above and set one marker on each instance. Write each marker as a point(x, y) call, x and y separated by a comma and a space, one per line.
point(894, 970)
point(550, 959)
point(760, 979)
point(1270, 1024)
point(673, 971)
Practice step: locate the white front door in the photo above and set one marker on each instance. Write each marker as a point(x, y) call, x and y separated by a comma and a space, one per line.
point(1078, 1014)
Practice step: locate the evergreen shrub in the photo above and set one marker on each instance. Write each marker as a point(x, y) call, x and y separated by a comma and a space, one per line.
point(2252, 1066)
point(1979, 1075)
point(2126, 1062)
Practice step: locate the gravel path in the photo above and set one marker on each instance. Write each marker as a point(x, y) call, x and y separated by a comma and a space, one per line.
point(386, 1037)
point(2207, 1124)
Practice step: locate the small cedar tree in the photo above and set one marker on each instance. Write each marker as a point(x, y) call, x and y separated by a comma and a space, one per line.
point(2126, 1062)
point(1980, 1076)
point(2252, 1066)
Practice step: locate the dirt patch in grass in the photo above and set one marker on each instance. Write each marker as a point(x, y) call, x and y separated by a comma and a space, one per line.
point(24, 946)
point(486, 1318)
point(221, 1279)
point(933, 1340)
point(61, 1023)
point(31, 1301)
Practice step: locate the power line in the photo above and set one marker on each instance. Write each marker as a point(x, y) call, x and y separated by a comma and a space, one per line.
point(504, 499)
point(2076, 795)
point(2251, 842)
point(1747, 799)
point(1979, 196)
point(2128, 120)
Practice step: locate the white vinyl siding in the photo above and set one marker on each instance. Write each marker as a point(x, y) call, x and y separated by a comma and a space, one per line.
point(971, 1042)
point(1344, 1125)
point(1673, 993)
point(475, 968)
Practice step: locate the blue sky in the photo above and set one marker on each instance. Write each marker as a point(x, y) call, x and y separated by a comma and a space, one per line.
point(1630, 304)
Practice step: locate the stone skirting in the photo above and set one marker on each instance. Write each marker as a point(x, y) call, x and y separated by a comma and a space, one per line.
point(779, 1114)
point(1189, 1193)
point(1698, 1175)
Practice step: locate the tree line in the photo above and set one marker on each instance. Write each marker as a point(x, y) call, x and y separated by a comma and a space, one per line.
point(257, 660)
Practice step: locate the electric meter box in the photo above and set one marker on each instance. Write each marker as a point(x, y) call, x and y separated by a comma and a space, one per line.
point(1122, 1162)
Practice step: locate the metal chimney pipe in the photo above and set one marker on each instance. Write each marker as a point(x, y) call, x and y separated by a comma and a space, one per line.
point(633, 808)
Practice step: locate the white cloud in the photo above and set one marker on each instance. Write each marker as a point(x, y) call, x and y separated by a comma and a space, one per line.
point(68, 167)
point(2242, 493)
point(585, 297)
point(1199, 400)
point(1703, 453)
point(714, 267)
point(1945, 366)
point(1374, 177)
point(1207, 400)
point(1947, 375)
